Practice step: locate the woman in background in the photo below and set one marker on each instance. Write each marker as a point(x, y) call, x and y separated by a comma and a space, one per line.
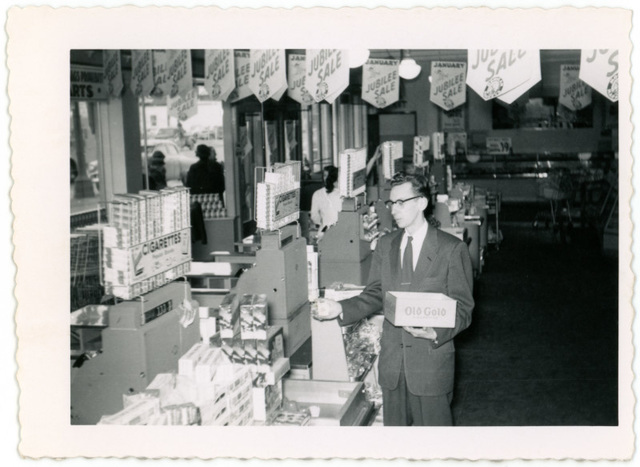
point(326, 202)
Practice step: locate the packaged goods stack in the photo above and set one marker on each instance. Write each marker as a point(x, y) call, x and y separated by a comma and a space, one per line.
point(212, 205)
point(278, 196)
point(391, 158)
point(147, 242)
point(420, 146)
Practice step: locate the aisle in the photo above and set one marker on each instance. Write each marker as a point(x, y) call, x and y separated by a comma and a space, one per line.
point(542, 348)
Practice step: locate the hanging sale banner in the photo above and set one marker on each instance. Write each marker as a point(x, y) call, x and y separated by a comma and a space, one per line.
point(268, 76)
point(179, 70)
point(141, 72)
point(296, 80)
point(492, 73)
point(574, 93)
point(112, 72)
point(327, 73)
point(242, 67)
point(380, 82)
point(536, 75)
point(448, 84)
point(160, 74)
point(184, 106)
point(219, 73)
point(599, 69)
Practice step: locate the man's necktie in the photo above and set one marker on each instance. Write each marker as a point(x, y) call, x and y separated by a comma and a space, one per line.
point(407, 263)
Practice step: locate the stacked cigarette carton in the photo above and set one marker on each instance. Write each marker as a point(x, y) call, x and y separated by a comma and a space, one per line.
point(278, 196)
point(353, 172)
point(147, 242)
point(391, 158)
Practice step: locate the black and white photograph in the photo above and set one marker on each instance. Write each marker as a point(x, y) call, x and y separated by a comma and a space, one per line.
point(322, 233)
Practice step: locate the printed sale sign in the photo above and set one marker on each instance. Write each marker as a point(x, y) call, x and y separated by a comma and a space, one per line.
point(575, 94)
point(113, 72)
point(380, 82)
point(327, 73)
point(184, 106)
point(219, 73)
point(493, 73)
point(536, 75)
point(599, 69)
point(160, 74)
point(179, 71)
point(448, 84)
point(242, 66)
point(296, 80)
point(87, 83)
point(141, 72)
point(268, 78)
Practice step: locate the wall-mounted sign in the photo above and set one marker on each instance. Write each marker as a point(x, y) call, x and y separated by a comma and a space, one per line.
point(453, 120)
point(87, 83)
point(448, 84)
point(184, 106)
point(498, 145)
point(599, 69)
point(179, 71)
point(160, 74)
point(141, 72)
point(242, 66)
point(575, 94)
point(268, 78)
point(494, 72)
point(219, 73)
point(113, 72)
point(296, 79)
point(380, 82)
point(327, 73)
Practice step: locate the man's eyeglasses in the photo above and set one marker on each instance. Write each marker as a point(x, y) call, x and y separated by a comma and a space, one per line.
point(399, 202)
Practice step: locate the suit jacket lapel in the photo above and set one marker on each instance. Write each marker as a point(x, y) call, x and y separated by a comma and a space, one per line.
point(428, 254)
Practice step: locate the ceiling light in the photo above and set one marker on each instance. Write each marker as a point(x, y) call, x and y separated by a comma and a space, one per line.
point(358, 57)
point(408, 69)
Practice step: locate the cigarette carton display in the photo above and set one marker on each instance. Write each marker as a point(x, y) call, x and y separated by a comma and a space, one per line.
point(208, 364)
point(187, 363)
point(137, 413)
point(266, 401)
point(420, 309)
point(253, 316)
point(271, 348)
point(228, 320)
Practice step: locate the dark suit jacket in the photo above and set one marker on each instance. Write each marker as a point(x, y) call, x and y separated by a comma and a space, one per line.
point(444, 266)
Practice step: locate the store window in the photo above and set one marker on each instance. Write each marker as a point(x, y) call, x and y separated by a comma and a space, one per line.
point(85, 156)
point(177, 139)
point(539, 112)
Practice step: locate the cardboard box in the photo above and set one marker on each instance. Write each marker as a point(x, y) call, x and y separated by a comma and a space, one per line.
point(420, 309)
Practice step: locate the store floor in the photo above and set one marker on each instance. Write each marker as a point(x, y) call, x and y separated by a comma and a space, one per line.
point(542, 348)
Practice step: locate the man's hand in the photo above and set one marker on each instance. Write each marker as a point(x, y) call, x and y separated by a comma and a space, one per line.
point(423, 333)
point(325, 309)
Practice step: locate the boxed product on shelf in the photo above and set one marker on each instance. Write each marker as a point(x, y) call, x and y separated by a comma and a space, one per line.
point(352, 177)
point(253, 316)
point(206, 368)
point(266, 401)
point(229, 313)
point(187, 363)
point(391, 158)
point(277, 195)
point(138, 413)
point(420, 309)
point(272, 348)
point(420, 146)
point(208, 322)
point(183, 414)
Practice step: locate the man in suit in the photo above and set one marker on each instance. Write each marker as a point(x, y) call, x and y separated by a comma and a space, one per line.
point(416, 365)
